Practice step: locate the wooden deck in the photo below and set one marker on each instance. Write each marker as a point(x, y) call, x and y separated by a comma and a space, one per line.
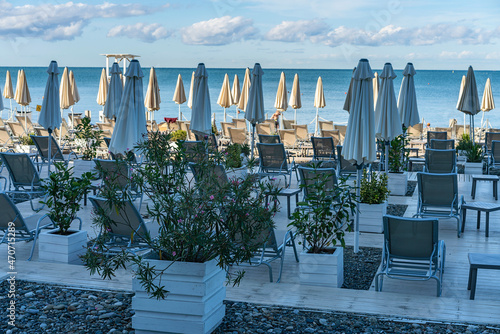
point(399, 299)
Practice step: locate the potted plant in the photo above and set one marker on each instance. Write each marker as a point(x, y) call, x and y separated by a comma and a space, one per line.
point(204, 227)
point(64, 194)
point(321, 221)
point(474, 154)
point(236, 160)
point(398, 161)
point(89, 139)
point(463, 144)
point(26, 144)
point(373, 201)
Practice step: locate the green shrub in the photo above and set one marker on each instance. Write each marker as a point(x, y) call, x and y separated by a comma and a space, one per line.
point(373, 188)
point(178, 135)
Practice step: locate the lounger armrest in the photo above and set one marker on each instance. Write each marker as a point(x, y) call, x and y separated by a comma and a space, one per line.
point(5, 183)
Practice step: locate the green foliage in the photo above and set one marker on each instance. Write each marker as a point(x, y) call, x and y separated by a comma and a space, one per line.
point(178, 135)
point(26, 140)
point(373, 188)
point(464, 143)
point(64, 193)
point(398, 155)
point(91, 138)
point(321, 219)
point(197, 221)
point(214, 129)
point(233, 153)
point(474, 153)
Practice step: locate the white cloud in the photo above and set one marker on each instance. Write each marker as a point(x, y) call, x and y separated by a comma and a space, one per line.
point(297, 31)
point(219, 31)
point(493, 55)
point(63, 21)
point(145, 32)
point(456, 55)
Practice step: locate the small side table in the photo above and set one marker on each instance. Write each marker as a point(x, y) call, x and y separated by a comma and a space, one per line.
point(416, 161)
point(483, 261)
point(288, 192)
point(493, 178)
point(479, 206)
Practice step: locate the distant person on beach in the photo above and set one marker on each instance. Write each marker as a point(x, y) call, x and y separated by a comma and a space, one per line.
point(276, 116)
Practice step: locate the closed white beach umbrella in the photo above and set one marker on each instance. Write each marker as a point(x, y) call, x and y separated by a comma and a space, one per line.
point(190, 98)
point(245, 91)
point(387, 120)
point(281, 101)
point(376, 85)
point(319, 102)
point(50, 115)
point(295, 100)
point(74, 91)
point(235, 93)
point(348, 97)
point(22, 96)
point(462, 85)
point(225, 99)
point(152, 100)
point(487, 103)
point(407, 99)
point(8, 92)
point(359, 144)
point(103, 89)
point(131, 124)
point(200, 118)
point(65, 94)
point(115, 92)
point(179, 94)
point(255, 106)
point(469, 100)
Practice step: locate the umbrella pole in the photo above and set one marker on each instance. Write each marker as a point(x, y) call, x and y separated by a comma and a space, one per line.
point(295, 117)
point(316, 127)
point(356, 222)
point(387, 144)
point(482, 120)
point(253, 139)
point(50, 147)
point(225, 115)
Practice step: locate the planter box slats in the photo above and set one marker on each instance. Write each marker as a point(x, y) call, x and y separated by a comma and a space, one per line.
point(322, 269)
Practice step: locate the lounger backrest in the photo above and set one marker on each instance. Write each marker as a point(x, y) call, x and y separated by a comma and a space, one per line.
point(287, 124)
point(414, 238)
point(489, 137)
point(239, 123)
point(288, 137)
point(326, 125)
point(16, 128)
point(415, 130)
point(211, 140)
point(272, 123)
point(263, 129)
point(323, 147)
point(42, 145)
point(311, 176)
point(125, 219)
point(301, 131)
point(439, 190)
point(4, 136)
point(345, 166)
point(495, 151)
point(435, 135)
point(114, 172)
point(440, 161)
point(21, 169)
point(238, 135)
point(194, 151)
point(272, 156)
point(443, 144)
point(225, 128)
point(10, 213)
point(269, 139)
point(335, 134)
point(212, 173)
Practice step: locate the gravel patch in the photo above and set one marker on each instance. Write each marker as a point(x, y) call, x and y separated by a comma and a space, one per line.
point(360, 268)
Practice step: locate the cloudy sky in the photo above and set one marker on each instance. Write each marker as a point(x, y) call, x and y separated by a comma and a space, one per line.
point(237, 33)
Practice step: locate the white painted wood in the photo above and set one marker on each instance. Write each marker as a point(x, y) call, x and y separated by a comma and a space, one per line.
point(194, 303)
point(62, 248)
point(322, 269)
point(370, 217)
point(397, 183)
point(473, 168)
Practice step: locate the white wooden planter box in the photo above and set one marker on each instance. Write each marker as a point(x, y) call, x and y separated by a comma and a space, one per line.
point(194, 303)
point(322, 269)
point(62, 248)
point(473, 168)
point(397, 183)
point(370, 217)
point(237, 173)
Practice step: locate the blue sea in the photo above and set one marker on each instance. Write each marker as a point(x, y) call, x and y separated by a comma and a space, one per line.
point(437, 91)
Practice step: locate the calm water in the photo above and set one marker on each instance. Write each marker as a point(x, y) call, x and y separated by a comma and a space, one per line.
point(437, 91)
